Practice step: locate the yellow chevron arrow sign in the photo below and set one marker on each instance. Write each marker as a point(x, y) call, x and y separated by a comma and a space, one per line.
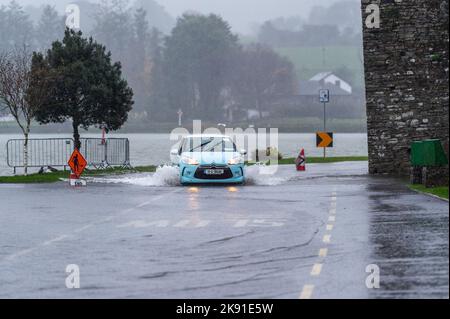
point(324, 139)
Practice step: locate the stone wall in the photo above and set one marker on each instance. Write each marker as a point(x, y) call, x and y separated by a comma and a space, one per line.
point(406, 70)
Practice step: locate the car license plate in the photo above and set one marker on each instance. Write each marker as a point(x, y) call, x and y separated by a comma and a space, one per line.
point(214, 171)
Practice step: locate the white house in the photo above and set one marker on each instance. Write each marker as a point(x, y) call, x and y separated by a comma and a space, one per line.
point(330, 78)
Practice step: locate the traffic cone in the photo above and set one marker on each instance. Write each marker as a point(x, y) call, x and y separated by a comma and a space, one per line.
point(300, 162)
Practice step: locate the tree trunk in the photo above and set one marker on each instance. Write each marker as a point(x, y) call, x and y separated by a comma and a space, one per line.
point(76, 136)
point(258, 107)
point(25, 153)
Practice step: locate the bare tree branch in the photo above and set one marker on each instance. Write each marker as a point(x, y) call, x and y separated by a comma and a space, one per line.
point(21, 91)
point(14, 84)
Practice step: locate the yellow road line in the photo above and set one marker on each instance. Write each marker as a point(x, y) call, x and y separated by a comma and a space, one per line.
point(307, 292)
point(316, 270)
point(323, 252)
point(327, 239)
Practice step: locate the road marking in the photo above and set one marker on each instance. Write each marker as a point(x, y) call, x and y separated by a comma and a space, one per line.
point(62, 237)
point(143, 204)
point(145, 224)
point(194, 224)
point(241, 223)
point(266, 223)
point(18, 254)
point(323, 252)
point(307, 292)
point(81, 229)
point(316, 270)
point(54, 240)
point(128, 210)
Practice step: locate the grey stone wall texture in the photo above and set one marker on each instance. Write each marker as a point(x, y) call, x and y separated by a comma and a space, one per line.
point(407, 80)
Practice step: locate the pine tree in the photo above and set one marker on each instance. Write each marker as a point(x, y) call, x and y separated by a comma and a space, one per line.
point(49, 28)
point(16, 27)
point(85, 86)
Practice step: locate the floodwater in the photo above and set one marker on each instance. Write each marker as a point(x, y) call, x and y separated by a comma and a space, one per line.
point(168, 175)
point(131, 238)
point(153, 149)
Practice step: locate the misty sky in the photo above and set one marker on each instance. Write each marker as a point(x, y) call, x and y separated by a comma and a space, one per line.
point(242, 14)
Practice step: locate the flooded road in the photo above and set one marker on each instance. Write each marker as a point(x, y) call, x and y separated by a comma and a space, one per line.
point(154, 149)
point(291, 235)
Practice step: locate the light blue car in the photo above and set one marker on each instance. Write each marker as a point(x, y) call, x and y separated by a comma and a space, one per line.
point(206, 159)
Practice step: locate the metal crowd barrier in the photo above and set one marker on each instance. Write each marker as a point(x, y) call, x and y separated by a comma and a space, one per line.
point(55, 152)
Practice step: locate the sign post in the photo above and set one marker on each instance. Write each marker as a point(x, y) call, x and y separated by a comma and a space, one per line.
point(324, 97)
point(77, 163)
point(180, 116)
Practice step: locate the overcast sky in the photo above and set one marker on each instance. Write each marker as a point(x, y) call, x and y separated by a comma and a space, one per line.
point(241, 14)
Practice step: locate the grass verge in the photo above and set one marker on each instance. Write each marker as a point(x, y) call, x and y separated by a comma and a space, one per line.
point(441, 192)
point(320, 160)
point(56, 176)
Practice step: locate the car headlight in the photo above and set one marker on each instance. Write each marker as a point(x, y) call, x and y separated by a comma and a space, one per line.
point(189, 160)
point(235, 161)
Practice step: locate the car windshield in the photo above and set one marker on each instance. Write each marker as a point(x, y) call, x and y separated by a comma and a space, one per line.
point(208, 144)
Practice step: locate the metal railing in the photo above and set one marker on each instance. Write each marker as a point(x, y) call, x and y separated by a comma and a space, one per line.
point(55, 152)
point(102, 153)
point(94, 150)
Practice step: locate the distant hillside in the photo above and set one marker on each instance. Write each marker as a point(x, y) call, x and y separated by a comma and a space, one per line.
point(312, 60)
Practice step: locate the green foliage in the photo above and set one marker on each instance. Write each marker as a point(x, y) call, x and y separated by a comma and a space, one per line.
point(436, 57)
point(16, 28)
point(197, 59)
point(157, 16)
point(84, 85)
point(441, 192)
point(34, 178)
point(49, 28)
point(259, 75)
point(309, 61)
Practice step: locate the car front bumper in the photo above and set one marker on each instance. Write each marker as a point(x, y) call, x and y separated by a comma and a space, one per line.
point(193, 174)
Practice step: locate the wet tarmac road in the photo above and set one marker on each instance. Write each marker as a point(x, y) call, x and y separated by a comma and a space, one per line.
point(293, 235)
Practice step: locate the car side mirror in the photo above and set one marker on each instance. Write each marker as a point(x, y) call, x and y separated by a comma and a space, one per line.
point(243, 152)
